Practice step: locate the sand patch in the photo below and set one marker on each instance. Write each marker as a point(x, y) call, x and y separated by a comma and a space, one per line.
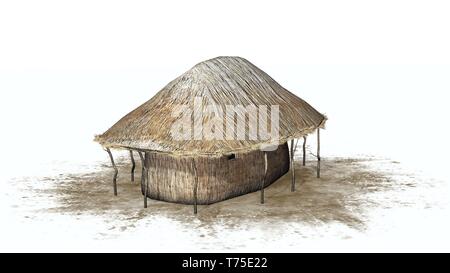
point(342, 195)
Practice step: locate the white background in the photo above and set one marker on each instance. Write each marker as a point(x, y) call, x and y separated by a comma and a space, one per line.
point(380, 70)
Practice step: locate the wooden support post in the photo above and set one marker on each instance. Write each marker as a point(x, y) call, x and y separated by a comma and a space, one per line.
point(142, 168)
point(133, 165)
point(147, 178)
point(304, 150)
point(264, 179)
point(144, 176)
point(292, 166)
point(195, 185)
point(115, 171)
point(318, 152)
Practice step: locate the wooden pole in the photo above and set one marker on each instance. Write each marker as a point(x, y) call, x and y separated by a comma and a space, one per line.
point(195, 186)
point(318, 152)
point(147, 165)
point(264, 179)
point(115, 171)
point(133, 165)
point(304, 150)
point(142, 168)
point(292, 166)
point(143, 176)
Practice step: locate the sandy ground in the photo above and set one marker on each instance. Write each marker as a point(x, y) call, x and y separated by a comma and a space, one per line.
point(339, 195)
point(339, 204)
point(336, 196)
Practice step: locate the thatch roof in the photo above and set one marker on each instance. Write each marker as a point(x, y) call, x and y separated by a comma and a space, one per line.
point(222, 81)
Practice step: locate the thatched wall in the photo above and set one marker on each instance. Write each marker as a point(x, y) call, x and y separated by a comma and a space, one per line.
point(172, 178)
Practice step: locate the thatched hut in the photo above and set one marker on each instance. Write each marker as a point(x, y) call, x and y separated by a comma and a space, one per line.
point(183, 164)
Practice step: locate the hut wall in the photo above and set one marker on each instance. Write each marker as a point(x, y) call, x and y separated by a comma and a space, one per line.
point(172, 178)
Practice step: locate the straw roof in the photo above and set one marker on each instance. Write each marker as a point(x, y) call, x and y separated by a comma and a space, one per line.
point(220, 81)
